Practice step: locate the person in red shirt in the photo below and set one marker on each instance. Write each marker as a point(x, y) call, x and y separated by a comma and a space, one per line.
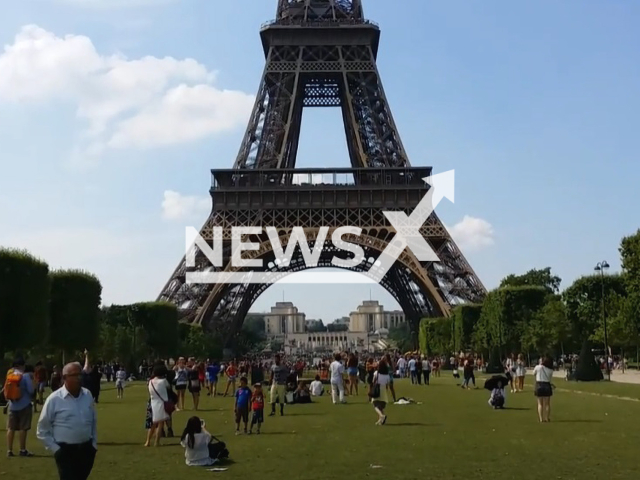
point(231, 372)
point(257, 405)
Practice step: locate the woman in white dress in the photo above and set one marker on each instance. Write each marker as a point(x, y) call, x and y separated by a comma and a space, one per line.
point(159, 394)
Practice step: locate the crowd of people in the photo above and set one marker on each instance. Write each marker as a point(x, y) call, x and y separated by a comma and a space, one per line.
point(67, 423)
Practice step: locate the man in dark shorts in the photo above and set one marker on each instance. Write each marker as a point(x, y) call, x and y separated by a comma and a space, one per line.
point(20, 409)
point(243, 399)
point(278, 381)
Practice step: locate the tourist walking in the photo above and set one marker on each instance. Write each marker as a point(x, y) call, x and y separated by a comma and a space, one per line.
point(121, 377)
point(412, 370)
point(378, 391)
point(352, 370)
point(18, 391)
point(521, 371)
point(543, 389)
point(161, 405)
point(426, 369)
point(68, 426)
point(278, 381)
point(337, 381)
point(181, 381)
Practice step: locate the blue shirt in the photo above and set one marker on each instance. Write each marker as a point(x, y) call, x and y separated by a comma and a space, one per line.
point(26, 389)
point(67, 419)
point(213, 371)
point(243, 397)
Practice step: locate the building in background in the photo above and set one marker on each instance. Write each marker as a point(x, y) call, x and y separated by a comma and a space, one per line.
point(367, 329)
point(284, 319)
point(371, 317)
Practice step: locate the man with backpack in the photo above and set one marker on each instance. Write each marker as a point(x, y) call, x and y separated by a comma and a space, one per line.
point(18, 390)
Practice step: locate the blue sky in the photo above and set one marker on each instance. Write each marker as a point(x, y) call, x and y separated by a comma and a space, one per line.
point(112, 112)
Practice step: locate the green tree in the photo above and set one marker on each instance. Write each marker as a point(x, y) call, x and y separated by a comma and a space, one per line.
point(74, 310)
point(465, 319)
point(151, 328)
point(628, 312)
point(159, 320)
point(534, 278)
point(623, 324)
point(24, 301)
point(548, 329)
point(435, 335)
point(630, 256)
point(255, 324)
point(583, 300)
point(506, 313)
point(401, 336)
point(198, 343)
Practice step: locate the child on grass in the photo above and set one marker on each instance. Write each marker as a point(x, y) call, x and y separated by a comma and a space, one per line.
point(243, 398)
point(257, 405)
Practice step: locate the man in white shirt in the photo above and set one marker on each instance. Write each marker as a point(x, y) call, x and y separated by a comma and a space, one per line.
point(67, 426)
point(412, 370)
point(316, 387)
point(337, 381)
point(402, 366)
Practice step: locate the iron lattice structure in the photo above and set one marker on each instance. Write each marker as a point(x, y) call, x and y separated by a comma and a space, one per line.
point(321, 53)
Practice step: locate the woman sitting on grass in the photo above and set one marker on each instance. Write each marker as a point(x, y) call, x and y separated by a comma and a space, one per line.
point(195, 440)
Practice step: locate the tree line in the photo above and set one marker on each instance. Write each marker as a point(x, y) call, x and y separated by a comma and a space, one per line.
point(55, 314)
point(529, 314)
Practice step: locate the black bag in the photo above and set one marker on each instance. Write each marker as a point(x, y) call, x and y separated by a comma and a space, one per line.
point(374, 391)
point(173, 396)
point(217, 449)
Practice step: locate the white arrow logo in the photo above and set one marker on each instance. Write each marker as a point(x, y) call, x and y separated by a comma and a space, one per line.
point(408, 227)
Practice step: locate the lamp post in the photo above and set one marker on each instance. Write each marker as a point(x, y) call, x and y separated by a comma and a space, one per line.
point(601, 267)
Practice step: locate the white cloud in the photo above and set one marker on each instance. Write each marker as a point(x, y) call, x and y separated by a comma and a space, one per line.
point(182, 114)
point(144, 103)
point(180, 207)
point(472, 234)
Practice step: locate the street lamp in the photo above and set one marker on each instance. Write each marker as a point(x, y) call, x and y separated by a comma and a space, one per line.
point(601, 267)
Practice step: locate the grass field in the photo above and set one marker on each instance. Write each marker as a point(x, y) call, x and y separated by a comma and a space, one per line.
point(452, 435)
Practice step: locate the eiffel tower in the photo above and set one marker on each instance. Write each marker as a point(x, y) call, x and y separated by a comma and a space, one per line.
point(321, 53)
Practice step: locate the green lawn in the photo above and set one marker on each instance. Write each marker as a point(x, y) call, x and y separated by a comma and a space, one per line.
point(453, 434)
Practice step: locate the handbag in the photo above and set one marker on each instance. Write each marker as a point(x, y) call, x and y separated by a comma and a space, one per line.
point(374, 391)
point(169, 406)
point(217, 449)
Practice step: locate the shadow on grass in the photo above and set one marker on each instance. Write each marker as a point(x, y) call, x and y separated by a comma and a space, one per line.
point(277, 433)
point(577, 421)
point(411, 424)
point(119, 444)
point(517, 408)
